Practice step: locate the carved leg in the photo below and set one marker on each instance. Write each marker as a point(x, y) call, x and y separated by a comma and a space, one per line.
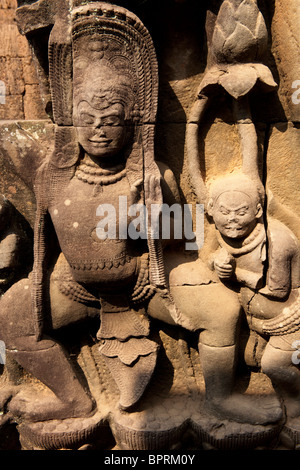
point(219, 322)
point(46, 360)
point(275, 319)
point(218, 364)
point(278, 365)
point(128, 352)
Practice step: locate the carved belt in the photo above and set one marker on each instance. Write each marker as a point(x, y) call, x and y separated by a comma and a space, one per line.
point(88, 265)
point(286, 323)
point(141, 292)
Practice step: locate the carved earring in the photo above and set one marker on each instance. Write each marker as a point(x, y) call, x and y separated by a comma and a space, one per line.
point(67, 148)
point(68, 156)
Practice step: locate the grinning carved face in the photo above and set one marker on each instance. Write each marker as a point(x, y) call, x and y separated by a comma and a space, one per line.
point(235, 214)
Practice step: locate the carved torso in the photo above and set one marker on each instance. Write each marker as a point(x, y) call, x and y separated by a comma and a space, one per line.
point(104, 263)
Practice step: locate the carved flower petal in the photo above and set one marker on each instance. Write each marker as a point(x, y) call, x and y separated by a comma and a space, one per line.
point(240, 46)
point(265, 76)
point(247, 13)
point(261, 31)
point(210, 80)
point(239, 80)
point(218, 40)
point(226, 18)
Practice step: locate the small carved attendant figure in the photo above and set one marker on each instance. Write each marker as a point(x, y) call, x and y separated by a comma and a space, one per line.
point(214, 309)
point(235, 206)
point(106, 154)
point(265, 264)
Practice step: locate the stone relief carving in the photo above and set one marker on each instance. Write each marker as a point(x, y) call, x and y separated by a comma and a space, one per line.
point(134, 342)
point(256, 253)
point(15, 245)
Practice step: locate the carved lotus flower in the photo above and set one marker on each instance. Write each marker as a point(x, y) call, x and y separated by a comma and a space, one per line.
point(240, 32)
point(238, 79)
point(240, 39)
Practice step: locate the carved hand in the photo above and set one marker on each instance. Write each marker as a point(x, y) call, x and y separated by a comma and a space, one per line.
point(224, 264)
point(152, 189)
point(152, 197)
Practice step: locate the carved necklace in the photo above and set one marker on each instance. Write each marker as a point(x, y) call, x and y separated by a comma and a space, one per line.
point(91, 173)
point(252, 241)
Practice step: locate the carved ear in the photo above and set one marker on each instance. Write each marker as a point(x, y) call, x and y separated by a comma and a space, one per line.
point(259, 212)
point(210, 207)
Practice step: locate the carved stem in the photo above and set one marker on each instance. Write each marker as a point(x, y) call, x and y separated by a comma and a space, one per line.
point(248, 137)
point(192, 148)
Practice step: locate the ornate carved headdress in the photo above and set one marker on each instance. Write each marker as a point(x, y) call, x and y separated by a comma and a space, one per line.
point(105, 45)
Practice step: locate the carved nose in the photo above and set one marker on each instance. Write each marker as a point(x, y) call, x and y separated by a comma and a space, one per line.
point(232, 217)
point(100, 128)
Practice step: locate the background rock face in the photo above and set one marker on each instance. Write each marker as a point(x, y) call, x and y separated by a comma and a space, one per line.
point(22, 102)
point(182, 31)
point(17, 70)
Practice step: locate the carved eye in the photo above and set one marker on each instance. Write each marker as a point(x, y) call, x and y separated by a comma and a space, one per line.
point(87, 118)
point(111, 121)
point(224, 211)
point(242, 212)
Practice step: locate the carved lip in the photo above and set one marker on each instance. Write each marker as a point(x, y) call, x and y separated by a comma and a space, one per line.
point(104, 142)
point(233, 227)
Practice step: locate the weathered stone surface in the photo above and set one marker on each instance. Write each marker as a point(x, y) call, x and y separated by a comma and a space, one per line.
point(285, 47)
point(17, 70)
point(174, 349)
point(24, 145)
point(283, 158)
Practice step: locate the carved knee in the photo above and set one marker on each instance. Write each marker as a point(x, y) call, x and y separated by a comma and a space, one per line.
point(15, 312)
point(275, 361)
point(223, 322)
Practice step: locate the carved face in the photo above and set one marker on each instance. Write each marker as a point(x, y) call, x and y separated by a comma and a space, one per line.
point(235, 214)
point(101, 132)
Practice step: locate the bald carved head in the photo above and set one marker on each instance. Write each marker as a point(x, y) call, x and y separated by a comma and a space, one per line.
point(235, 204)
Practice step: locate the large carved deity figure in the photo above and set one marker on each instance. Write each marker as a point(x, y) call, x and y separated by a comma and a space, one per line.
point(103, 152)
